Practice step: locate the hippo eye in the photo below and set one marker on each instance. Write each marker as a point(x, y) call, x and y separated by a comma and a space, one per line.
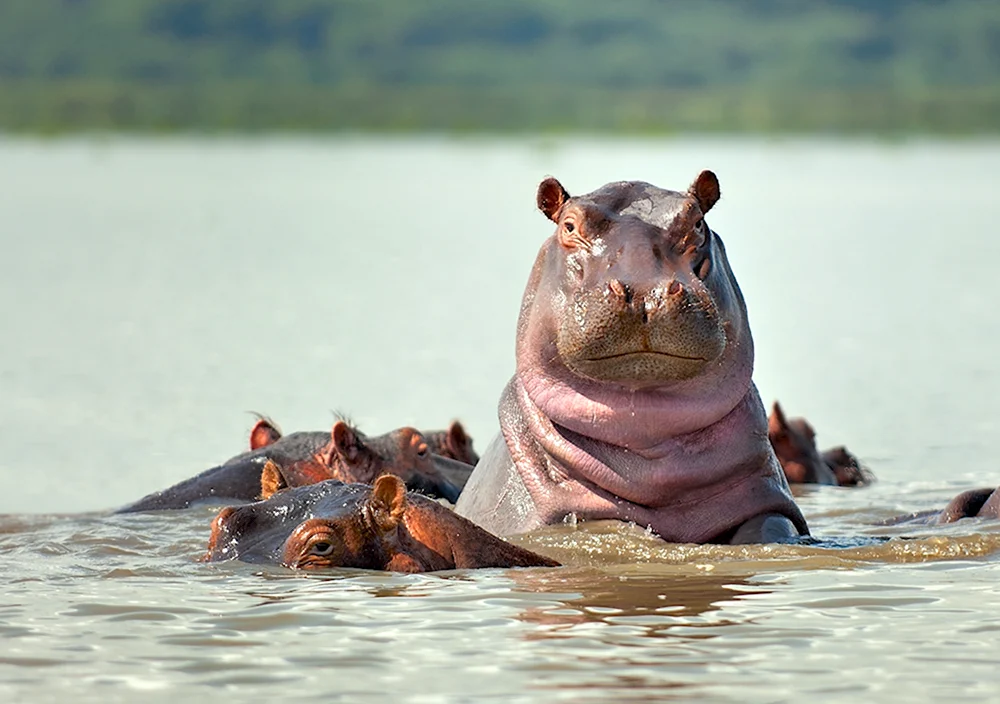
point(422, 451)
point(321, 548)
point(700, 224)
point(570, 227)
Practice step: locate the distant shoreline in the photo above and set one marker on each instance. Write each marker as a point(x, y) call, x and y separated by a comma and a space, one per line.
point(86, 106)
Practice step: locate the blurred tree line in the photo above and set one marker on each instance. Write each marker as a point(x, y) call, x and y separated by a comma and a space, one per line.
point(498, 65)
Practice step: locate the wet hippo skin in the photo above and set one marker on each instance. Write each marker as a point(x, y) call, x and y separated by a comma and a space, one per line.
point(975, 503)
point(380, 527)
point(308, 457)
point(451, 450)
point(632, 397)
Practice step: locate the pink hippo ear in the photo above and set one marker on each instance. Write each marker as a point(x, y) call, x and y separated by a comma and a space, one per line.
point(705, 190)
point(388, 502)
point(346, 442)
point(551, 197)
point(264, 432)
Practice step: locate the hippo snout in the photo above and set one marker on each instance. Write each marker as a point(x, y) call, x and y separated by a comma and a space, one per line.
point(632, 334)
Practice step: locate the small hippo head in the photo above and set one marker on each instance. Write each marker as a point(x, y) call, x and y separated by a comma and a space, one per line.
point(794, 442)
point(380, 527)
point(846, 467)
point(642, 283)
point(329, 524)
point(351, 456)
point(453, 443)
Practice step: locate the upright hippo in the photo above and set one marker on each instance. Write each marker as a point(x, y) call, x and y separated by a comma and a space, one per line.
point(632, 397)
point(380, 527)
point(308, 457)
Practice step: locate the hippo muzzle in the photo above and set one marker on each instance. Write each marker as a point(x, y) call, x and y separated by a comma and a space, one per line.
point(633, 334)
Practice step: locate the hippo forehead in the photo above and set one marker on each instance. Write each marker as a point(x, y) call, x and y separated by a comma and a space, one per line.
point(643, 201)
point(263, 526)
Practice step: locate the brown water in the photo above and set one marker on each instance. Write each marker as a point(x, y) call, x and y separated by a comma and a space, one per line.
point(154, 291)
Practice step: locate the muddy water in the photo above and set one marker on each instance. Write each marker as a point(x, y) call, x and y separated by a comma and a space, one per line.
point(155, 291)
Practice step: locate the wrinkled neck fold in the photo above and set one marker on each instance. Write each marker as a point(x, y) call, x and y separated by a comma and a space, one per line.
point(638, 419)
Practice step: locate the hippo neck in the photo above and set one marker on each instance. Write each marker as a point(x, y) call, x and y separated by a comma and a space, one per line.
point(695, 488)
point(639, 420)
point(663, 465)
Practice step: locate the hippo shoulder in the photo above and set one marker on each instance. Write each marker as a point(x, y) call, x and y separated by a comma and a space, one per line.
point(495, 497)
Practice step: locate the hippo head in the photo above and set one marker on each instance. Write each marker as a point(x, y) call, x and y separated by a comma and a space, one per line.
point(453, 443)
point(403, 452)
point(794, 443)
point(846, 467)
point(380, 527)
point(632, 305)
point(641, 287)
point(351, 456)
point(329, 524)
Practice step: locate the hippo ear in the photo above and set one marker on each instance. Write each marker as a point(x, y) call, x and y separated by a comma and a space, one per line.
point(387, 502)
point(551, 197)
point(776, 422)
point(346, 442)
point(271, 480)
point(705, 190)
point(457, 439)
point(264, 432)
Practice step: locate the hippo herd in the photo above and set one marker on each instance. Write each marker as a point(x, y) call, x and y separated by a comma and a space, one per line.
point(632, 400)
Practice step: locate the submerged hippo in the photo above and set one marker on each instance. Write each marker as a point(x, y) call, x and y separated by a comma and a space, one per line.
point(975, 503)
point(453, 443)
point(632, 397)
point(453, 458)
point(380, 527)
point(794, 442)
point(309, 457)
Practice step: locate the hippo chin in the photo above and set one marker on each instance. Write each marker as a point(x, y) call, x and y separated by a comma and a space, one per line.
point(633, 398)
point(380, 527)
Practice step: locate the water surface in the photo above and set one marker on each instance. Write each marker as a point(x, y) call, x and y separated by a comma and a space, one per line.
point(155, 291)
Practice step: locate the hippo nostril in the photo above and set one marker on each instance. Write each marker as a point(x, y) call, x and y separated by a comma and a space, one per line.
point(674, 287)
point(622, 292)
point(703, 269)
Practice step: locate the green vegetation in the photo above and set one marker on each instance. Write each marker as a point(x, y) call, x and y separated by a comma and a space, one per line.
point(500, 65)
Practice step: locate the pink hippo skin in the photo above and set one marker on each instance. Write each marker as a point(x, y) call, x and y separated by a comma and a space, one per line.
point(632, 398)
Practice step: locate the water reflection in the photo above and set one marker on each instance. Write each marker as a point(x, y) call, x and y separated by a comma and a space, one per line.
point(649, 598)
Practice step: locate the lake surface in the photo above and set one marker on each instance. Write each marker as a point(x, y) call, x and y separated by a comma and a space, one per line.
point(156, 291)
